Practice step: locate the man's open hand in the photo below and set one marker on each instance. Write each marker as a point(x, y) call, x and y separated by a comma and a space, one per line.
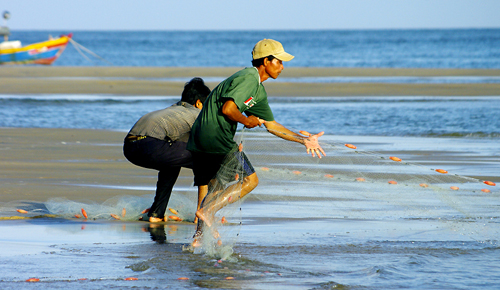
point(312, 144)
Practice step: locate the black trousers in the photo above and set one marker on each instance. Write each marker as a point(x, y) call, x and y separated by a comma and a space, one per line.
point(165, 156)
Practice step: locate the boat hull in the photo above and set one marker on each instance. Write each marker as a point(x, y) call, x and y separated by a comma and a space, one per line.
point(45, 52)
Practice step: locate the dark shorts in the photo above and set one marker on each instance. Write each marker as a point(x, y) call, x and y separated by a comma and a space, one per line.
point(223, 167)
point(158, 154)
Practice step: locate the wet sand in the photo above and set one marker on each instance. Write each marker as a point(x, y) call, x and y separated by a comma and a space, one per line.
point(276, 249)
point(88, 165)
point(38, 164)
point(144, 81)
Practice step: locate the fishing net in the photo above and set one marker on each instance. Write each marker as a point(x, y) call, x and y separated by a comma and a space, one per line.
point(128, 208)
point(224, 198)
point(348, 182)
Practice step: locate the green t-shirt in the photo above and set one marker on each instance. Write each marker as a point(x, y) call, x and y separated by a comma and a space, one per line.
point(213, 132)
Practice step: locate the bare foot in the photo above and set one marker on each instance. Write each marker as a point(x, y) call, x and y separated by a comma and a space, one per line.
point(197, 237)
point(199, 232)
point(202, 216)
point(155, 220)
point(196, 243)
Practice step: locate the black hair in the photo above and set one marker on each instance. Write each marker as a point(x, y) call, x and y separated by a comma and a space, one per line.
point(260, 61)
point(195, 90)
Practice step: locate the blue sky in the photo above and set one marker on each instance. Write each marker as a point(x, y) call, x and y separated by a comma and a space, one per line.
point(249, 15)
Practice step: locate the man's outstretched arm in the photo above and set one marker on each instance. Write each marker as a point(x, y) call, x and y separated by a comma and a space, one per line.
point(308, 140)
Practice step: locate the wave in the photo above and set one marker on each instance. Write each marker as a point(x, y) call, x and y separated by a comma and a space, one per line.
point(456, 117)
point(464, 135)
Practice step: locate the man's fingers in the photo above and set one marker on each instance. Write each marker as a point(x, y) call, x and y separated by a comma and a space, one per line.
point(311, 151)
point(316, 151)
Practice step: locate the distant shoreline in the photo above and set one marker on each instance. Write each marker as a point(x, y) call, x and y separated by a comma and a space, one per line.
point(96, 80)
point(251, 30)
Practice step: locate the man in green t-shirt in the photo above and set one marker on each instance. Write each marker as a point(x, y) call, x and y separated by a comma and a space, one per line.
point(212, 134)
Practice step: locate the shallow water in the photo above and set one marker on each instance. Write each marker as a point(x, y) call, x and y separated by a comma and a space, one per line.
point(311, 235)
point(375, 116)
point(305, 234)
point(272, 253)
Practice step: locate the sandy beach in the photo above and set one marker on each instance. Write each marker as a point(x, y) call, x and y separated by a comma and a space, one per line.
point(316, 235)
point(140, 81)
point(37, 164)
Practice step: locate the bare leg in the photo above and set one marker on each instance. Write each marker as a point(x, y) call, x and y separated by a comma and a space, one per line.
point(230, 195)
point(214, 191)
point(202, 192)
point(202, 195)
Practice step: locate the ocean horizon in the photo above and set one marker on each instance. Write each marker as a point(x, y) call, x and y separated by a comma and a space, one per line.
point(377, 48)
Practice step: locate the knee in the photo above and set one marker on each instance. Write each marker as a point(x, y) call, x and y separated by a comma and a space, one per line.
point(252, 180)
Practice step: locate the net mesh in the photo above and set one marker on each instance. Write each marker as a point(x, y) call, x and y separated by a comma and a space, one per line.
point(350, 182)
point(127, 208)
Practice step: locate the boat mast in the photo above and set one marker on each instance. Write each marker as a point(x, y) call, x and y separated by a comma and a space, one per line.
point(4, 30)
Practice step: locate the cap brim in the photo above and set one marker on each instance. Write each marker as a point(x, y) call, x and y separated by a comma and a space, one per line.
point(283, 56)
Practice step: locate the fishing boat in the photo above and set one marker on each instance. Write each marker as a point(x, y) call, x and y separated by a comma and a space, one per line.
point(46, 52)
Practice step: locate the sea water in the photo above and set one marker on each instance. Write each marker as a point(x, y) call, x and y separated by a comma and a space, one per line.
point(345, 241)
point(445, 48)
point(374, 116)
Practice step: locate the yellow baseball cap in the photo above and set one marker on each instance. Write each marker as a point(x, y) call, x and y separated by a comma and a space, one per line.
point(268, 47)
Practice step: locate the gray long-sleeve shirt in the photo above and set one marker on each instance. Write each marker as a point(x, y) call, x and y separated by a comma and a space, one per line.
point(174, 122)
